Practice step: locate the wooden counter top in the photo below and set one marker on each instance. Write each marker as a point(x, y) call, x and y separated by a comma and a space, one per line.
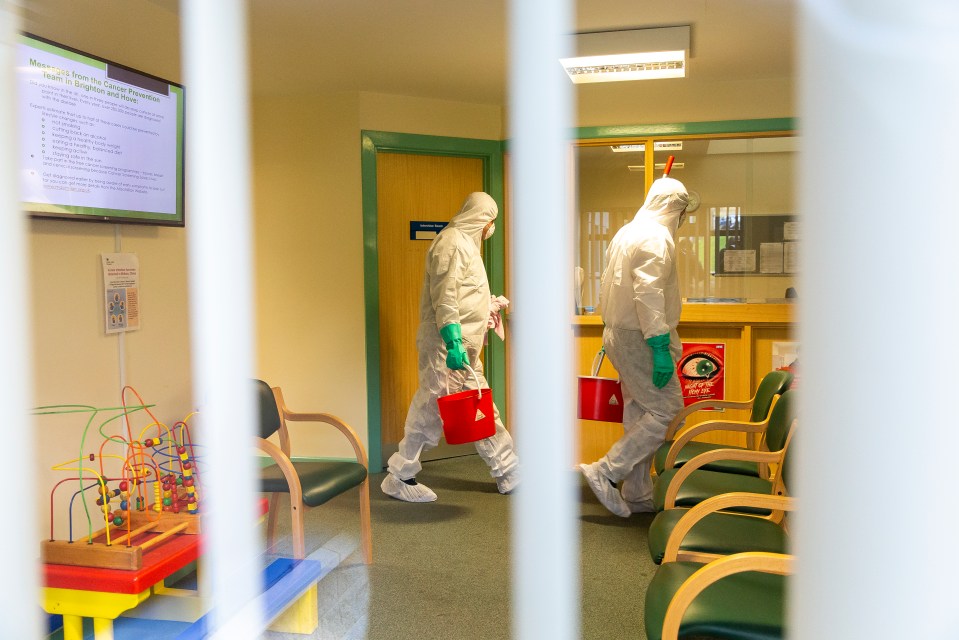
point(722, 313)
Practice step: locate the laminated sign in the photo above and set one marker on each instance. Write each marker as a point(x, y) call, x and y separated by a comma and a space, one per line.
point(121, 287)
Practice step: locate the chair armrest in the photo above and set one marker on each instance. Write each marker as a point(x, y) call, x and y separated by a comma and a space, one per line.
point(702, 405)
point(778, 563)
point(286, 468)
point(326, 418)
point(744, 455)
point(711, 425)
point(718, 503)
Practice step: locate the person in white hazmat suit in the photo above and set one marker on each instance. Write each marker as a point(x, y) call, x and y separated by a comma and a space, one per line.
point(454, 316)
point(640, 303)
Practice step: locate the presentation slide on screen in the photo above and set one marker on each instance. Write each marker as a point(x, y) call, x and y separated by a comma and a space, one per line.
point(95, 135)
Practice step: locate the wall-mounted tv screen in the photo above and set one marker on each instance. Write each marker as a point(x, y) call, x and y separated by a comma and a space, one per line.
point(98, 141)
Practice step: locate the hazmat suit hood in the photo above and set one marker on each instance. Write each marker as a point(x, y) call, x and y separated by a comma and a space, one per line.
point(665, 203)
point(639, 289)
point(478, 210)
point(455, 286)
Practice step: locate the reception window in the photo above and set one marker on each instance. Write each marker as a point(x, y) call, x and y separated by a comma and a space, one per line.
point(739, 244)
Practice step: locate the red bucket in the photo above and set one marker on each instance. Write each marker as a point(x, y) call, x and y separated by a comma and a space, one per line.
point(600, 398)
point(467, 415)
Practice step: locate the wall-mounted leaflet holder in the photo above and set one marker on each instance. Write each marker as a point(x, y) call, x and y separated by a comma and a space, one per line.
point(753, 244)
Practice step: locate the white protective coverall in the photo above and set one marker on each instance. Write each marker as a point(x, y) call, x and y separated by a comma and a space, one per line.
point(455, 290)
point(640, 299)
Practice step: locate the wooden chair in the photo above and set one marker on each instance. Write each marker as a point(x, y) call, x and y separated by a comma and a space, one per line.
point(309, 483)
point(680, 447)
point(705, 531)
point(708, 530)
point(737, 596)
point(692, 483)
point(723, 574)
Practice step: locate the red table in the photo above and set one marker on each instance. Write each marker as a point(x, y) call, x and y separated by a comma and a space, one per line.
point(103, 594)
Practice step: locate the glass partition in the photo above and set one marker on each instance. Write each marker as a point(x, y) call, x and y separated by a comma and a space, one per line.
point(740, 237)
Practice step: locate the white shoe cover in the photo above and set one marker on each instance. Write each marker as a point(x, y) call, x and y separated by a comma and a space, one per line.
point(507, 483)
point(607, 494)
point(396, 488)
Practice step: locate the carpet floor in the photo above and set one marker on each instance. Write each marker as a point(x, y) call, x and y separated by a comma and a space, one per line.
point(441, 570)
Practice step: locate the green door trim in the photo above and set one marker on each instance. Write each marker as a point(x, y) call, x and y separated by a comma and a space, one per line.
point(491, 153)
point(720, 127)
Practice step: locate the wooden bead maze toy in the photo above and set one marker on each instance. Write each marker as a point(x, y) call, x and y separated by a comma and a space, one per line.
point(137, 499)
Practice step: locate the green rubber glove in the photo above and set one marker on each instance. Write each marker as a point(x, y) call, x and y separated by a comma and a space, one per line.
point(456, 356)
point(663, 366)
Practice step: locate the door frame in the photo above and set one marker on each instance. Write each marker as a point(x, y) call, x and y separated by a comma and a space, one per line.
point(491, 153)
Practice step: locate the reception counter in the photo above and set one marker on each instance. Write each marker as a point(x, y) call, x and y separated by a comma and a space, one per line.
point(748, 333)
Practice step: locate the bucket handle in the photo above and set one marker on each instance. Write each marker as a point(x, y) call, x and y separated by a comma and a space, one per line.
point(597, 365)
point(475, 377)
point(598, 361)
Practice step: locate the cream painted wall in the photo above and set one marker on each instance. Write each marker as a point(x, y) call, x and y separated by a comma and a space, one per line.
point(404, 114)
point(74, 360)
point(684, 101)
point(309, 261)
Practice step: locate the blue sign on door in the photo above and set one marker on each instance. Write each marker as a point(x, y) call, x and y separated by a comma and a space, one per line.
point(425, 230)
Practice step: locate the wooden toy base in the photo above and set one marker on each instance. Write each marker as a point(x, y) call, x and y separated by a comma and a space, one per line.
point(125, 550)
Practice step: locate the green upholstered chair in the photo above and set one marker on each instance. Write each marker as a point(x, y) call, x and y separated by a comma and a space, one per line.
point(701, 533)
point(680, 447)
point(309, 483)
point(722, 574)
point(691, 484)
point(708, 531)
point(736, 597)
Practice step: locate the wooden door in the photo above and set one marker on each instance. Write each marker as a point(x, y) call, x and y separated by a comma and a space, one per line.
point(421, 188)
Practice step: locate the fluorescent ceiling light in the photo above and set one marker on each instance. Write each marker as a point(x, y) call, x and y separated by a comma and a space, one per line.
point(637, 54)
point(676, 165)
point(626, 66)
point(671, 145)
point(657, 166)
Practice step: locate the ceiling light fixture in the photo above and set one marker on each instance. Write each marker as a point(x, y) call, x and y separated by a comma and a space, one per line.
point(635, 54)
point(658, 166)
point(640, 148)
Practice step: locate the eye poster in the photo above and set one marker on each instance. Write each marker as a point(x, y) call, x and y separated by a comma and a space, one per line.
point(702, 372)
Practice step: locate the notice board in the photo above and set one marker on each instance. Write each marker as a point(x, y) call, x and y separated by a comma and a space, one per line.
point(758, 244)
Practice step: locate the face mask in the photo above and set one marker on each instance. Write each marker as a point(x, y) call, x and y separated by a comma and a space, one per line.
point(489, 232)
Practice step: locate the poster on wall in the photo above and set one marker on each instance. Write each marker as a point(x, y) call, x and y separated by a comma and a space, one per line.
point(702, 372)
point(121, 286)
